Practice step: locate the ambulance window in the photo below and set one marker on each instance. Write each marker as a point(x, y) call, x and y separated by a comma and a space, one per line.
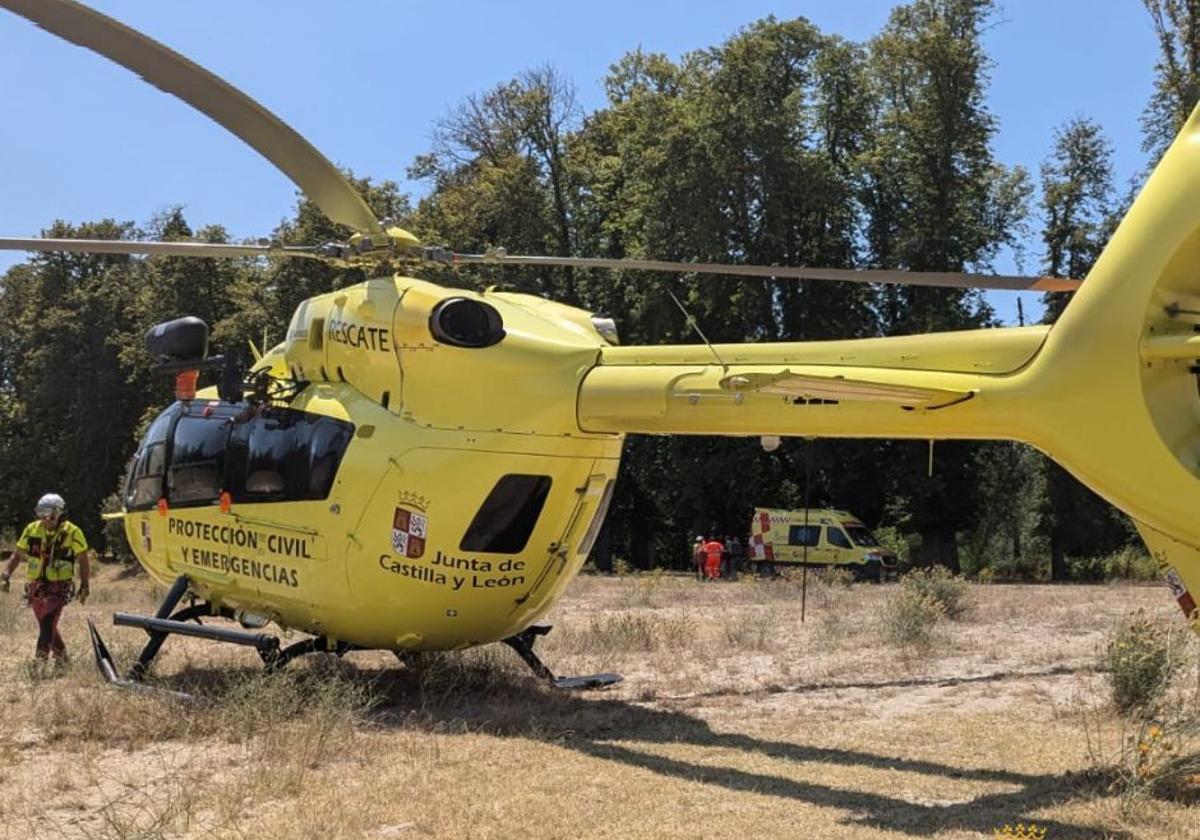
point(837, 538)
point(145, 486)
point(804, 535)
point(862, 536)
point(197, 459)
point(508, 515)
point(285, 455)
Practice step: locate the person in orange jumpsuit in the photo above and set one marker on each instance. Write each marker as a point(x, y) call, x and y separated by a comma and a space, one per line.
point(712, 558)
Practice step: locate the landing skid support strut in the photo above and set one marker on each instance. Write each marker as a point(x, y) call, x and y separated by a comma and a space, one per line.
point(185, 622)
point(523, 642)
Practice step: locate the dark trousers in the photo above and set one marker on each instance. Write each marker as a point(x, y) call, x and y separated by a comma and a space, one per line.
point(47, 600)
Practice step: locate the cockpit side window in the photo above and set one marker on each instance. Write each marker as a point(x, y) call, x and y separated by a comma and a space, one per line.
point(145, 486)
point(837, 538)
point(508, 515)
point(198, 459)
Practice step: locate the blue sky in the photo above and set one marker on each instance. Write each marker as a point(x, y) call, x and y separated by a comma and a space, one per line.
point(364, 80)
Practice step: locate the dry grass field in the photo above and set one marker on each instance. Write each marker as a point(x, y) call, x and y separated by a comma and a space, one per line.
point(735, 720)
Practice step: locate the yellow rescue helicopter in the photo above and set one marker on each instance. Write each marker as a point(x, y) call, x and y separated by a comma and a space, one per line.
point(420, 468)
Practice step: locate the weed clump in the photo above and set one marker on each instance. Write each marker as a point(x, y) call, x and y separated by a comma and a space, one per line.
point(454, 677)
point(948, 591)
point(837, 577)
point(752, 629)
point(1140, 659)
point(909, 619)
point(638, 631)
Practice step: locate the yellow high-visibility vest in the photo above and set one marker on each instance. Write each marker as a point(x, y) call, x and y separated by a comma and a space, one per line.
point(51, 554)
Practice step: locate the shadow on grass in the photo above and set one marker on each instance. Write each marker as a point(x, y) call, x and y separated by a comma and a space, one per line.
point(486, 695)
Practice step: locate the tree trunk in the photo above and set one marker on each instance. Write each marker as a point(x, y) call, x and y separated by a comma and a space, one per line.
point(1058, 557)
point(939, 546)
point(602, 550)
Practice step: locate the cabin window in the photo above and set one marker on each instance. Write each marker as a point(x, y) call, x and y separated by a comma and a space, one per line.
point(145, 486)
point(285, 455)
point(808, 535)
point(508, 515)
point(837, 537)
point(197, 460)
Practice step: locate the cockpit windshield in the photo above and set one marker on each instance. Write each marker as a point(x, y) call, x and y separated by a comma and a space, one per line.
point(194, 452)
point(861, 536)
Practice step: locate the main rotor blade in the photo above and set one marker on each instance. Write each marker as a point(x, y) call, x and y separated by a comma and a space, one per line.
point(870, 275)
point(169, 71)
point(174, 249)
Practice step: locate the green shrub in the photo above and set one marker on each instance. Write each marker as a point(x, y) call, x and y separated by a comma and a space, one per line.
point(1029, 566)
point(1131, 563)
point(909, 618)
point(890, 537)
point(1085, 569)
point(936, 583)
point(1140, 659)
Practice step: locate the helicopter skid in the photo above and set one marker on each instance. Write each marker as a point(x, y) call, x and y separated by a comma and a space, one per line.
point(522, 643)
point(266, 645)
point(108, 669)
point(186, 622)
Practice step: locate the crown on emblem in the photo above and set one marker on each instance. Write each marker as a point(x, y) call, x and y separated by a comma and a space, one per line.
point(407, 497)
point(1021, 832)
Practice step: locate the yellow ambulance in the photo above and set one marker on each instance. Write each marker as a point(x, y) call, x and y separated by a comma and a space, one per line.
point(832, 538)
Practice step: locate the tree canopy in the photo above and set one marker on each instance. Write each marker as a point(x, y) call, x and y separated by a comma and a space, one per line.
point(782, 145)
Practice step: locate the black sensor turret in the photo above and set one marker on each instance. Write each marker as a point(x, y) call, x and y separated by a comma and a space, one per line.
point(182, 340)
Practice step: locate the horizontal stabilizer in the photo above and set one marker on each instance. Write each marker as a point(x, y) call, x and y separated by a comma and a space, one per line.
point(807, 386)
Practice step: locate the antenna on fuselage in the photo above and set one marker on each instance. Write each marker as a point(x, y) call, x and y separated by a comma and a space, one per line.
point(691, 320)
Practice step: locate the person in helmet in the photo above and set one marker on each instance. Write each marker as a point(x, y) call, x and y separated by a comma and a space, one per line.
point(698, 557)
point(52, 547)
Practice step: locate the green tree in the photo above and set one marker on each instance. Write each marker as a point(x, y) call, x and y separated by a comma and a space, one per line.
point(500, 177)
point(936, 200)
point(739, 153)
point(1080, 214)
point(1177, 72)
point(1078, 203)
point(64, 386)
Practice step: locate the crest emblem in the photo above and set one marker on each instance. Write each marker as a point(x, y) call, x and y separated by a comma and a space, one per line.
point(409, 530)
point(1186, 602)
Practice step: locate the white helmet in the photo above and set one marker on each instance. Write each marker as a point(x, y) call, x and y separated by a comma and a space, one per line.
point(50, 504)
